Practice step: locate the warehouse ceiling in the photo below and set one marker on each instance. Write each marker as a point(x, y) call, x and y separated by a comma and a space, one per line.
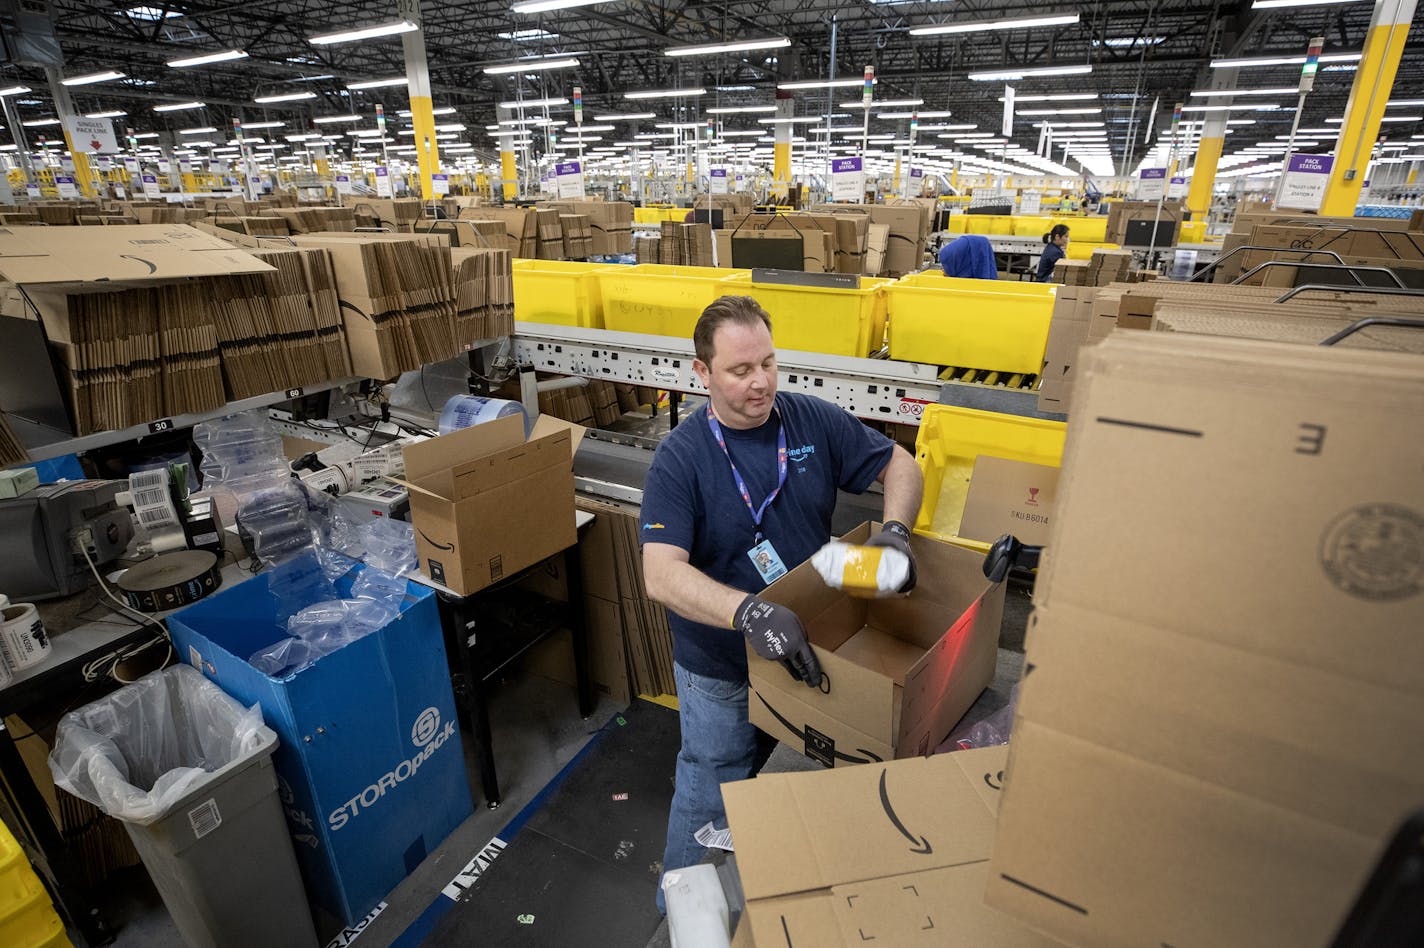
point(1139, 54)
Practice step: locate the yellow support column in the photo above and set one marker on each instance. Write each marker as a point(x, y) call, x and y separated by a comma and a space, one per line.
point(781, 147)
point(508, 171)
point(65, 111)
point(1384, 45)
point(417, 76)
point(1204, 167)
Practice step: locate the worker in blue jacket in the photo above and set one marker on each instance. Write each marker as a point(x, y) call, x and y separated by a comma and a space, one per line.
point(969, 256)
point(1055, 249)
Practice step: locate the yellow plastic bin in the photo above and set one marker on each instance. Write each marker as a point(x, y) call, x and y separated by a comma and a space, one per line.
point(958, 224)
point(561, 292)
point(1000, 325)
point(1091, 229)
point(660, 299)
point(951, 439)
point(27, 919)
point(820, 319)
point(1031, 225)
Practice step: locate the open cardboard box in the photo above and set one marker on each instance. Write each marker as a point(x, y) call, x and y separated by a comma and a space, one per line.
point(486, 502)
point(901, 671)
point(894, 853)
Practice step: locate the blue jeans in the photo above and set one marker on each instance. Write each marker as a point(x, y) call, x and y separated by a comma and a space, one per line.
point(719, 745)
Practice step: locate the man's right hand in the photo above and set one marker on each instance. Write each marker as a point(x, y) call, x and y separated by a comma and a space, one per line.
point(776, 634)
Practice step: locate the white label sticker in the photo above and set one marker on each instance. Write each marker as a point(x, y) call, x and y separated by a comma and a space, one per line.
point(204, 818)
point(714, 838)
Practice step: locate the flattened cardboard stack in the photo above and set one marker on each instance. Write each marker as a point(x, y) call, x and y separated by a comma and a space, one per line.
point(397, 295)
point(109, 343)
point(645, 249)
point(647, 638)
point(578, 236)
point(550, 232)
point(696, 243)
point(1305, 325)
point(188, 342)
point(311, 220)
point(395, 214)
point(1221, 731)
point(256, 226)
point(610, 224)
point(474, 233)
point(1108, 266)
point(670, 244)
point(483, 305)
point(521, 236)
point(326, 312)
point(11, 450)
point(1360, 241)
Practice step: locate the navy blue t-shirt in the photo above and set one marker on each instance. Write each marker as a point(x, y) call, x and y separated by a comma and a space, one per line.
point(691, 501)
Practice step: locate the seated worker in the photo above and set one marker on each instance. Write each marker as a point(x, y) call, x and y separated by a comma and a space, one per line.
point(1056, 241)
point(969, 256)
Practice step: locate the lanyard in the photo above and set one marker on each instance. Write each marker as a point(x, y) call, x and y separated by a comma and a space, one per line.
point(756, 512)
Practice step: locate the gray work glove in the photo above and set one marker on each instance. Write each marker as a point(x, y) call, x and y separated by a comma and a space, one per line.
point(777, 635)
point(896, 536)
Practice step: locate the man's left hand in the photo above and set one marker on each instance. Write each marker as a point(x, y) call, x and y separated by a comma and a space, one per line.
point(896, 536)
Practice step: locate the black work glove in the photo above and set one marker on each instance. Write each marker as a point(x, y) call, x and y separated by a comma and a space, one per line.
point(776, 634)
point(896, 536)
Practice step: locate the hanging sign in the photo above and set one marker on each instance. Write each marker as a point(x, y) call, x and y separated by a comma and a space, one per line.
point(1152, 184)
point(150, 186)
point(718, 177)
point(65, 185)
point(91, 136)
point(383, 182)
point(1176, 187)
point(570, 179)
point(1305, 180)
point(1030, 202)
point(440, 183)
point(848, 180)
point(343, 184)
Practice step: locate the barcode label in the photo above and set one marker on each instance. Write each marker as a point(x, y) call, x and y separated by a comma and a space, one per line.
point(155, 515)
point(204, 818)
point(205, 538)
point(149, 498)
point(143, 479)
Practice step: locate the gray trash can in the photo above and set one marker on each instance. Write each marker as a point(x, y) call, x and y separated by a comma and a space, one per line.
point(188, 771)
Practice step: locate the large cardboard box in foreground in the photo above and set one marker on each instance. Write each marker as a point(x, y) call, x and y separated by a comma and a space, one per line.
point(901, 671)
point(1225, 718)
point(486, 502)
point(891, 853)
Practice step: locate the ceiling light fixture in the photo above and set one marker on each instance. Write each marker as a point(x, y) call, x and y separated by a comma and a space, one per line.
point(285, 97)
point(1026, 73)
point(534, 103)
point(741, 109)
point(888, 103)
point(14, 90)
point(364, 33)
point(1283, 4)
point(505, 70)
point(543, 6)
point(665, 94)
point(376, 83)
point(247, 125)
point(625, 117)
point(205, 130)
point(114, 113)
point(905, 115)
point(328, 119)
point(1251, 61)
point(180, 106)
point(822, 84)
point(207, 59)
point(92, 78)
point(984, 26)
point(713, 49)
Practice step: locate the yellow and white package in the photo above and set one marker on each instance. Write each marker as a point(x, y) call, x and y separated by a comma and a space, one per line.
point(866, 572)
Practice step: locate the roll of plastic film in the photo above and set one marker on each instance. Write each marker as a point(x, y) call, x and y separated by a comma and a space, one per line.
point(23, 642)
point(466, 411)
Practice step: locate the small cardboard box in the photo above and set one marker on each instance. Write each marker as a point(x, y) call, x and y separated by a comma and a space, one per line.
point(893, 853)
point(486, 502)
point(901, 671)
point(1009, 497)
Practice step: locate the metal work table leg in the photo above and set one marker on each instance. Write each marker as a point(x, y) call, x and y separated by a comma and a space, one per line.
point(469, 692)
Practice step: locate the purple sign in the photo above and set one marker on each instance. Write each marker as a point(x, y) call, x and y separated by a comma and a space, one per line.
point(568, 167)
point(843, 165)
point(1310, 164)
point(1151, 173)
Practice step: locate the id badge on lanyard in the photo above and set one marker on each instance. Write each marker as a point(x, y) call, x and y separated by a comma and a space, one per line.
point(765, 559)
